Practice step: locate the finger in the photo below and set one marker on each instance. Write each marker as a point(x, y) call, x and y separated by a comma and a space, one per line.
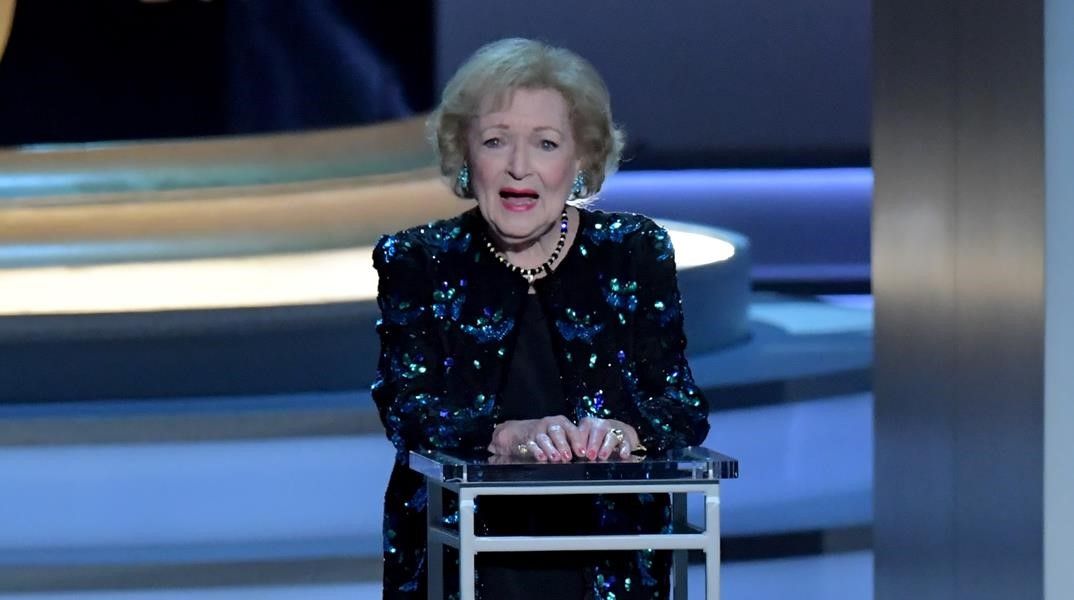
point(555, 432)
point(545, 444)
point(525, 450)
point(580, 438)
point(631, 440)
point(630, 434)
point(596, 440)
point(536, 452)
point(608, 445)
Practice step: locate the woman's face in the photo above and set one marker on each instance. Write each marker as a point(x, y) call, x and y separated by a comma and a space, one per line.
point(523, 162)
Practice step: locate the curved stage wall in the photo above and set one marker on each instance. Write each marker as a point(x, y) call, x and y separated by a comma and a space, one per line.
point(241, 266)
point(238, 266)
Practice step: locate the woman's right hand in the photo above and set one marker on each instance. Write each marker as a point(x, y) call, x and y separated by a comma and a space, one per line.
point(546, 440)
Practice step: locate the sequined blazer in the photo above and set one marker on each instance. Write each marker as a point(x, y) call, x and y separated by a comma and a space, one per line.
point(448, 314)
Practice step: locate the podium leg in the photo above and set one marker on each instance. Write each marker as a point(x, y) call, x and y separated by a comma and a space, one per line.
point(466, 544)
point(712, 551)
point(434, 549)
point(679, 558)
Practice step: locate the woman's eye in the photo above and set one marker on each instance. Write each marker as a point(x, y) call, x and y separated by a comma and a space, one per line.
point(548, 145)
point(492, 143)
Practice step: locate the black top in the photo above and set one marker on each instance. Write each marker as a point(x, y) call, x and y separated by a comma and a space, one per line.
point(532, 390)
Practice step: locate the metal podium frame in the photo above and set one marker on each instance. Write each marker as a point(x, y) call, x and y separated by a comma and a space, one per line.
point(682, 537)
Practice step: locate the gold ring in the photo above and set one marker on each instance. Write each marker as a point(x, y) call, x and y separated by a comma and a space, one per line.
point(640, 449)
point(617, 434)
point(522, 450)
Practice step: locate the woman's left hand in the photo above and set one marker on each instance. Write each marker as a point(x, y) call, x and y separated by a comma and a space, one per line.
point(547, 439)
point(605, 436)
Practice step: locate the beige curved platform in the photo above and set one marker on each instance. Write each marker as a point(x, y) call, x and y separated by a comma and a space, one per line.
point(268, 221)
point(7, 14)
point(133, 227)
point(136, 239)
point(239, 266)
point(313, 185)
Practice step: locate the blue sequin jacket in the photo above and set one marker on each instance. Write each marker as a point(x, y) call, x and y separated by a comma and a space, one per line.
point(448, 313)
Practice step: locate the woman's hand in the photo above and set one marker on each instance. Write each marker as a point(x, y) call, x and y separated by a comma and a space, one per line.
point(549, 439)
point(601, 437)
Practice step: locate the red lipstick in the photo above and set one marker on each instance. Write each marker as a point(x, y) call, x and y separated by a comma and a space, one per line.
point(518, 199)
point(519, 192)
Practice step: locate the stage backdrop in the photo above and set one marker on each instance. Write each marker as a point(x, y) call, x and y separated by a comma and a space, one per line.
point(703, 82)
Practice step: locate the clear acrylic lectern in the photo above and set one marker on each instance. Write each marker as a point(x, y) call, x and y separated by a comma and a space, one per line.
point(676, 472)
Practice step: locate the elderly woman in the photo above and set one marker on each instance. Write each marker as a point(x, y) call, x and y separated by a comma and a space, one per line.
point(531, 327)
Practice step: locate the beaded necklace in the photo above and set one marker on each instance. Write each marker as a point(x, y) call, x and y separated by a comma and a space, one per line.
point(546, 267)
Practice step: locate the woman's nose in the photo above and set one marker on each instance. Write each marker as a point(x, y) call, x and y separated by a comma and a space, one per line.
point(518, 167)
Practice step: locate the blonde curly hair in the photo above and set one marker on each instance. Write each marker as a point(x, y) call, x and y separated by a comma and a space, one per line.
point(499, 68)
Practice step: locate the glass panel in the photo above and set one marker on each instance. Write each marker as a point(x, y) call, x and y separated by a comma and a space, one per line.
point(684, 464)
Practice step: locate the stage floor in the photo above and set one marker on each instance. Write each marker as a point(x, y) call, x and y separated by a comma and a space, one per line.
point(830, 577)
point(210, 511)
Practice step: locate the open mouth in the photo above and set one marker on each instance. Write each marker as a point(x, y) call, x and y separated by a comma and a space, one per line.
point(516, 194)
point(519, 199)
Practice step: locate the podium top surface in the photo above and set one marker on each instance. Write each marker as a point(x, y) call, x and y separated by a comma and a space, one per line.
point(682, 465)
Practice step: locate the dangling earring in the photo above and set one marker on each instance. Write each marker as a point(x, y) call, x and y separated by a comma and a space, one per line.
point(462, 181)
point(578, 189)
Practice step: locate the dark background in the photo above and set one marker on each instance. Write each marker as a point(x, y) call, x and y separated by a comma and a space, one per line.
point(78, 71)
point(696, 83)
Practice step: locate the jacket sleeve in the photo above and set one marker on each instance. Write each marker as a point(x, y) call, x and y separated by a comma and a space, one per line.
point(671, 410)
point(410, 389)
